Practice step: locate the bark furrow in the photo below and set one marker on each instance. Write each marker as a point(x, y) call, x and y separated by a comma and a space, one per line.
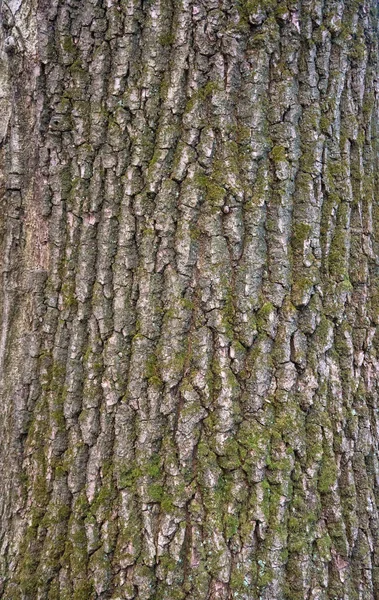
point(189, 300)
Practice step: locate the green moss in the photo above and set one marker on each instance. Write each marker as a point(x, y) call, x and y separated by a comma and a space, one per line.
point(266, 310)
point(278, 154)
point(282, 464)
point(300, 233)
point(337, 255)
point(324, 544)
point(239, 582)
point(300, 289)
point(167, 563)
point(287, 422)
point(68, 294)
point(77, 69)
point(260, 187)
point(179, 360)
point(83, 590)
point(187, 304)
point(103, 500)
point(214, 193)
point(242, 134)
point(252, 438)
point(358, 49)
point(156, 492)
point(266, 574)
point(66, 179)
point(264, 315)
point(323, 330)
point(368, 105)
point(60, 470)
point(76, 547)
point(252, 7)
point(346, 285)
point(166, 504)
point(232, 455)
point(207, 90)
point(163, 91)
point(152, 372)
point(166, 39)
point(68, 45)
point(202, 94)
point(54, 591)
point(266, 498)
point(328, 474)
point(28, 579)
point(281, 11)
point(337, 170)
point(56, 514)
point(156, 158)
point(231, 525)
point(228, 309)
point(40, 490)
point(129, 478)
point(26, 574)
point(308, 161)
point(153, 468)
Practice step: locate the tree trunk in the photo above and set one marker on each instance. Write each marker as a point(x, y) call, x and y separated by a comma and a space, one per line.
point(189, 300)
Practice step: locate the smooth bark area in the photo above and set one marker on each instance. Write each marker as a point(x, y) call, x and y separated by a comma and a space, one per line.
point(189, 300)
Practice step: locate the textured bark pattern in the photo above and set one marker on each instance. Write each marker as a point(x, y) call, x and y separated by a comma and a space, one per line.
point(189, 300)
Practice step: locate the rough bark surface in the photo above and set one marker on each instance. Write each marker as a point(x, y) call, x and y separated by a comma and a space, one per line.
point(189, 300)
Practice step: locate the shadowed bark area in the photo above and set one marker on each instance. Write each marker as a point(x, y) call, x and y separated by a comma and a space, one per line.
point(189, 300)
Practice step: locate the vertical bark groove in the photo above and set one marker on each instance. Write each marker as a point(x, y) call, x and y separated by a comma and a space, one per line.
point(189, 300)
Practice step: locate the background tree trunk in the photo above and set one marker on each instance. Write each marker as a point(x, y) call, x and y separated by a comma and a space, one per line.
point(189, 300)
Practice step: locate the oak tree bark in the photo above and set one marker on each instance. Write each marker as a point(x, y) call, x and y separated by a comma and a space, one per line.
point(189, 300)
